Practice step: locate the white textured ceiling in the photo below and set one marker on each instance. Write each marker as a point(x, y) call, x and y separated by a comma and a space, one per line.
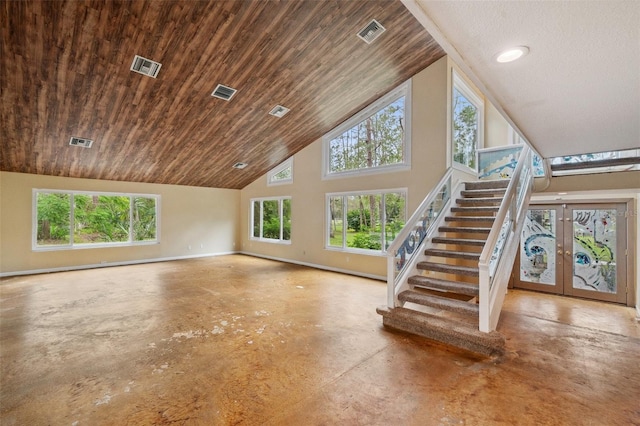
point(578, 90)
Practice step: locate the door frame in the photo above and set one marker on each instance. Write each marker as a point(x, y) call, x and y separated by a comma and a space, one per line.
point(630, 241)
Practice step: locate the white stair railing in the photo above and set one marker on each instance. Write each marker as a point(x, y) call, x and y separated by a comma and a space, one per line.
point(402, 254)
point(498, 255)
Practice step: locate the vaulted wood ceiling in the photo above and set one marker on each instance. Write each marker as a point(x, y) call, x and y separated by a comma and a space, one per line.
point(65, 71)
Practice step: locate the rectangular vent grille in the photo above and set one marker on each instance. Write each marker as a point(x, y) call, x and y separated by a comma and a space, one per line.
point(371, 32)
point(279, 111)
point(224, 92)
point(84, 143)
point(240, 165)
point(145, 66)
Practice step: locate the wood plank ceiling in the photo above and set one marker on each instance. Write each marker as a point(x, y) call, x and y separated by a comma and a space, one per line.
point(65, 71)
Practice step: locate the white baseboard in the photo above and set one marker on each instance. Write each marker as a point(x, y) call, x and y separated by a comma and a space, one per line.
point(316, 266)
point(109, 264)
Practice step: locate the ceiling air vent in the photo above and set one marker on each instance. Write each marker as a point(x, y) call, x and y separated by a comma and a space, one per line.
point(224, 92)
point(240, 165)
point(84, 143)
point(371, 31)
point(145, 66)
point(279, 111)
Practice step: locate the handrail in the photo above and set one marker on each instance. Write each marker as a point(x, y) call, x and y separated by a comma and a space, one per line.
point(502, 239)
point(401, 251)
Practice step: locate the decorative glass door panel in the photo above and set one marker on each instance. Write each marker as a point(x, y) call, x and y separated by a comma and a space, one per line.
point(597, 243)
point(540, 267)
point(577, 250)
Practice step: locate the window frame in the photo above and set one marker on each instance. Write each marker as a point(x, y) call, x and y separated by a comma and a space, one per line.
point(260, 238)
point(81, 246)
point(403, 89)
point(458, 83)
point(271, 181)
point(345, 248)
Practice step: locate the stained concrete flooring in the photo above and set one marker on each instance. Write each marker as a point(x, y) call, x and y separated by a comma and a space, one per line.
point(239, 340)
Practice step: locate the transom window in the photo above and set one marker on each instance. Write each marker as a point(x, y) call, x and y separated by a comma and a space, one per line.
point(282, 174)
point(74, 219)
point(467, 119)
point(271, 219)
point(365, 220)
point(374, 140)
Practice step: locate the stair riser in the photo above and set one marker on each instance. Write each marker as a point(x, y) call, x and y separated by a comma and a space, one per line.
point(464, 230)
point(458, 242)
point(461, 308)
point(466, 289)
point(478, 201)
point(447, 269)
point(470, 186)
point(470, 219)
point(452, 254)
point(475, 210)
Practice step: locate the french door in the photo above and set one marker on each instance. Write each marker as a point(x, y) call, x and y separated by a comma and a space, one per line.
point(575, 249)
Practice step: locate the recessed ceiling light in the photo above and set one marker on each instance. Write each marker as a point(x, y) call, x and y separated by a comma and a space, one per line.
point(512, 54)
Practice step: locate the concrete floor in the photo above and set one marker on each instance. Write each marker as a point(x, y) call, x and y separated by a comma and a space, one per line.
point(240, 340)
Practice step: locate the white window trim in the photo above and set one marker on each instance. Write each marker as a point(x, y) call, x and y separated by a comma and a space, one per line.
point(403, 90)
point(327, 216)
point(77, 246)
point(251, 219)
point(463, 87)
point(288, 163)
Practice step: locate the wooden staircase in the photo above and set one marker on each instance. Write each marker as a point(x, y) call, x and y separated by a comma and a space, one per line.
point(442, 301)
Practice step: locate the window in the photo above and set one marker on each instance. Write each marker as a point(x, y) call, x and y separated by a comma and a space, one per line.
point(374, 140)
point(73, 219)
point(365, 220)
point(281, 174)
point(271, 219)
point(467, 111)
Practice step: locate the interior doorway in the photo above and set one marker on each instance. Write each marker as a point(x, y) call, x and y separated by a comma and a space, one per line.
point(575, 249)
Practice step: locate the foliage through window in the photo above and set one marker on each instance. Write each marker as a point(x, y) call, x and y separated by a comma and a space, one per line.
point(374, 139)
point(467, 116)
point(271, 219)
point(81, 219)
point(365, 220)
point(281, 174)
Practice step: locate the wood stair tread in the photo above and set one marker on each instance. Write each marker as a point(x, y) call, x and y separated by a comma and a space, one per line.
point(443, 330)
point(448, 269)
point(459, 287)
point(452, 253)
